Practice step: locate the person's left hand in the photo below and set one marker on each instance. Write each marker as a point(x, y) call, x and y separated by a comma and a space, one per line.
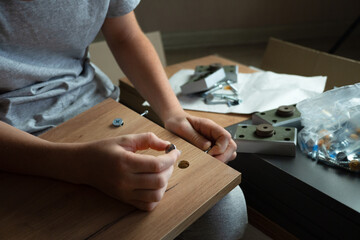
point(204, 134)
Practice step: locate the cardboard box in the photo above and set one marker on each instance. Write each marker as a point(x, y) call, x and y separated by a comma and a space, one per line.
point(285, 57)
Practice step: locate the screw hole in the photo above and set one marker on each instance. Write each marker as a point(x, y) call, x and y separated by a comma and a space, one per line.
point(241, 136)
point(262, 113)
point(287, 139)
point(287, 129)
point(274, 121)
point(244, 126)
point(183, 164)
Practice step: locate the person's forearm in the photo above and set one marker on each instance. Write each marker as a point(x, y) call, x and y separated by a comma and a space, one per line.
point(26, 154)
point(140, 62)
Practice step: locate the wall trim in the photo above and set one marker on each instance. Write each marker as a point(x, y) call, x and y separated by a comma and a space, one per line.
point(194, 39)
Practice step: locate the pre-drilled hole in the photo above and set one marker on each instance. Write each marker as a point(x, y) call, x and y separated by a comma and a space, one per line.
point(287, 139)
point(183, 164)
point(241, 136)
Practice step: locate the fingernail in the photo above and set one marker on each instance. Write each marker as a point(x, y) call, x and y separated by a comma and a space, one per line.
point(207, 146)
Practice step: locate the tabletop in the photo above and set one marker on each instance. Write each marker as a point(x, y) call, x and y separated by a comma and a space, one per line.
point(41, 208)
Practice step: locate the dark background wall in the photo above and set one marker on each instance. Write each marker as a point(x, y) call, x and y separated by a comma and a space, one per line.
point(212, 21)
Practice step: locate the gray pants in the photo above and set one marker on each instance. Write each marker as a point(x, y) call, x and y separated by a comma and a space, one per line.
point(227, 219)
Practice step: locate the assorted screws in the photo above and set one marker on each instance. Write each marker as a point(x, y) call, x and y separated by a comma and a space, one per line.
point(340, 148)
point(211, 97)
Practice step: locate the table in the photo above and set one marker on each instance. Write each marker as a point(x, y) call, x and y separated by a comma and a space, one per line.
point(40, 208)
point(287, 197)
point(308, 199)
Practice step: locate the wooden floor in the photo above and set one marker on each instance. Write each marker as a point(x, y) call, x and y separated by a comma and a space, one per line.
point(251, 55)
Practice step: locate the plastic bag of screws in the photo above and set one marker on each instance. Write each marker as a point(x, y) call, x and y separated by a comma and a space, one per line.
point(331, 133)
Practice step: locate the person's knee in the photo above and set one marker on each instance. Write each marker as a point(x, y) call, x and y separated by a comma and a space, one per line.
point(225, 220)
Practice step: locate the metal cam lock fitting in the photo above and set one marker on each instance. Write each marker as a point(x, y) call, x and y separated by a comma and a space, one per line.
point(118, 122)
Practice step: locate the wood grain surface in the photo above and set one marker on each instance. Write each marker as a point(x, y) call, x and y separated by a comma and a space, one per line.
point(40, 208)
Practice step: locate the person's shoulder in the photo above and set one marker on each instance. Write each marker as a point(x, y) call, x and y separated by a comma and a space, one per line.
point(121, 7)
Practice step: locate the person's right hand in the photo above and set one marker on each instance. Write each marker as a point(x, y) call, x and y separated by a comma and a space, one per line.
point(114, 167)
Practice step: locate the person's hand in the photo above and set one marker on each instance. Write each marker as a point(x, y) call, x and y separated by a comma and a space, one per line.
point(204, 134)
point(112, 166)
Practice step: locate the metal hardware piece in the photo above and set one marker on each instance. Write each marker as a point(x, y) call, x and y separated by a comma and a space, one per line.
point(231, 100)
point(285, 111)
point(281, 142)
point(170, 147)
point(283, 116)
point(202, 81)
point(144, 113)
point(118, 122)
point(233, 88)
point(213, 89)
point(341, 156)
point(264, 130)
point(211, 78)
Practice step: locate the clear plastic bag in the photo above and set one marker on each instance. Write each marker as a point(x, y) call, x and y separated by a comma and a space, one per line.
point(331, 133)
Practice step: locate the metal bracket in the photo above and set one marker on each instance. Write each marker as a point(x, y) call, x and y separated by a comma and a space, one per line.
point(282, 116)
point(266, 139)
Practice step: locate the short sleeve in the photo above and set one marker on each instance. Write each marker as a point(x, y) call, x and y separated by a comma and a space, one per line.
point(121, 7)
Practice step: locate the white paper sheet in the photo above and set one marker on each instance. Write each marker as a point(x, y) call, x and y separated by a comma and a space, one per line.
point(260, 91)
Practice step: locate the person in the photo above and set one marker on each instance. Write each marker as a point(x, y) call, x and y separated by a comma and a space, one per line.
point(46, 78)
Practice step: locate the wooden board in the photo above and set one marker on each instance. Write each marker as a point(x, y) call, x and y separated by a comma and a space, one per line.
point(39, 208)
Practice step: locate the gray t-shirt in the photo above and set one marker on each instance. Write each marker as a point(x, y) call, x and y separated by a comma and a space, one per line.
point(45, 75)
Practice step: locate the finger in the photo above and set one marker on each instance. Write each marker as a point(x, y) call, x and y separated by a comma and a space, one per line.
point(145, 195)
point(220, 146)
point(232, 157)
point(144, 141)
point(150, 180)
point(229, 154)
point(191, 134)
point(145, 206)
point(141, 163)
point(211, 131)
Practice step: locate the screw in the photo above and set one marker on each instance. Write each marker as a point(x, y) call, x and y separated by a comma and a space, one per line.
point(209, 99)
point(144, 113)
point(341, 156)
point(234, 89)
point(224, 96)
point(213, 89)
